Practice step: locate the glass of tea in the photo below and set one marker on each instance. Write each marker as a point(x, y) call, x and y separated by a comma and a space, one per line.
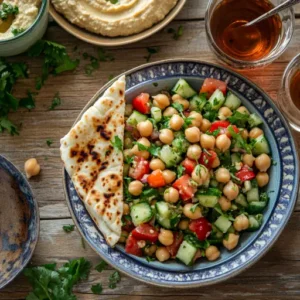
point(289, 93)
point(247, 47)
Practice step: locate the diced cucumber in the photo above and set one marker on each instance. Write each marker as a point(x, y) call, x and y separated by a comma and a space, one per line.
point(216, 100)
point(141, 213)
point(186, 253)
point(167, 216)
point(183, 89)
point(247, 186)
point(180, 144)
point(260, 145)
point(254, 120)
point(235, 158)
point(207, 200)
point(162, 209)
point(253, 195)
point(256, 207)
point(165, 223)
point(241, 200)
point(255, 222)
point(135, 118)
point(223, 224)
point(232, 101)
point(156, 114)
point(197, 103)
point(169, 156)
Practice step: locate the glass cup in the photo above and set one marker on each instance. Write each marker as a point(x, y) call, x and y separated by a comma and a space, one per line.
point(286, 104)
point(288, 23)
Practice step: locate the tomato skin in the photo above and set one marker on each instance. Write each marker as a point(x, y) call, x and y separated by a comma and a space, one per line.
point(185, 187)
point(211, 84)
point(145, 232)
point(140, 168)
point(127, 225)
point(245, 174)
point(189, 165)
point(201, 227)
point(141, 103)
point(207, 158)
point(132, 246)
point(173, 249)
point(219, 124)
point(156, 179)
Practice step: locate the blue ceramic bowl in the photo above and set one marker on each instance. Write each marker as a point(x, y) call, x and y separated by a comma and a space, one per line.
point(283, 181)
point(19, 220)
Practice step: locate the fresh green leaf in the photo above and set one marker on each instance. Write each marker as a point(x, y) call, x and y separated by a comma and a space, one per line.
point(8, 10)
point(114, 278)
point(129, 159)
point(194, 207)
point(117, 143)
point(180, 171)
point(101, 266)
point(241, 143)
point(151, 51)
point(68, 228)
point(238, 119)
point(149, 259)
point(149, 194)
point(55, 102)
point(141, 147)
point(104, 56)
point(17, 31)
point(193, 240)
point(97, 289)
point(28, 102)
point(154, 150)
point(178, 106)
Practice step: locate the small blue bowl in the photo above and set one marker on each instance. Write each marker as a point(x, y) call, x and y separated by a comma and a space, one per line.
point(19, 220)
point(284, 178)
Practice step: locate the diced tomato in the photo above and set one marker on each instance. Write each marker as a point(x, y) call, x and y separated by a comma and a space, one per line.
point(173, 249)
point(127, 224)
point(141, 103)
point(189, 165)
point(201, 227)
point(132, 246)
point(145, 232)
point(207, 158)
point(139, 169)
point(185, 187)
point(219, 124)
point(211, 84)
point(156, 179)
point(245, 174)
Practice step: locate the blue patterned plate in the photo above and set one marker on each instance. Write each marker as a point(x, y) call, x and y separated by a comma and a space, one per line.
point(19, 222)
point(283, 181)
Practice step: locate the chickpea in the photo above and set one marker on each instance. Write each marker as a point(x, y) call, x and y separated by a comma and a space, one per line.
point(183, 224)
point(231, 241)
point(205, 125)
point(223, 142)
point(162, 254)
point(126, 209)
point(32, 168)
point(241, 222)
point(243, 110)
point(194, 152)
point(224, 113)
point(145, 128)
point(142, 153)
point(169, 176)
point(196, 119)
point(262, 179)
point(207, 141)
point(200, 174)
point(212, 253)
point(123, 237)
point(176, 122)
point(245, 134)
point(150, 250)
point(224, 203)
point(263, 162)
point(166, 237)
point(135, 188)
point(128, 110)
point(171, 195)
point(161, 101)
point(222, 175)
point(193, 215)
point(192, 134)
point(231, 190)
point(248, 159)
point(255, 133)
point(178, 99)
point(166, 136)
point(157, 164)
point(216, 163)
point(170, 111)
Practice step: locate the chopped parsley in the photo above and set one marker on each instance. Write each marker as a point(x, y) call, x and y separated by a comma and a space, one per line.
point(117, 143)
point(238, 119)
point(178, 107)
point(17, 31)
point(193, 208)
point(28, 102)
point(49, 142)
point(92, 66)
point(151, 51)
point(114, 278)
point(176, 33)
point(129, 160)
point(149, 259)
point(68, 228)
point(180, 171)
point(55, 102)
point(113, 1)
point(8, 10)
point(97, 289)
point(101, 266)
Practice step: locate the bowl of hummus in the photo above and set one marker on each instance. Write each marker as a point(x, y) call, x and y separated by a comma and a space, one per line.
point(114, 22)
point(22, 23)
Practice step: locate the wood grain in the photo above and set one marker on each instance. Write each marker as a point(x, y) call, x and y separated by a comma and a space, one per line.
point(276, 276)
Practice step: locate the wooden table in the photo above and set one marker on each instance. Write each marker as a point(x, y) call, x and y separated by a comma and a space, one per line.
point(276, 276)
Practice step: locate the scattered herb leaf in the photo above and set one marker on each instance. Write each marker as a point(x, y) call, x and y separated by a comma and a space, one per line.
point(151, 51)
point(97, 289)
point(117, 143)
point(101, 266)
point(49, 142)
point(68, 228)
point(114, 278)
point(55, 102)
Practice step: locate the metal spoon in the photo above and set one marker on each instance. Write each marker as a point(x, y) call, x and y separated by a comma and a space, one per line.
point(272, 12)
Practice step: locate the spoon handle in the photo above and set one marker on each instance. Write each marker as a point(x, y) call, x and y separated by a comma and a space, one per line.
point(274, 11)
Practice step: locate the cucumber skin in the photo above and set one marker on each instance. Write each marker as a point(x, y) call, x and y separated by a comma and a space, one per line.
point(261, 146)
point(183, 89)
point(208, 200)
point(232, 101)
point(184, 250)
point(135, 118)
point(256, 207)
point(134, 213)
point(222, 220)
point(220, 98)
point(253, 195)
point(255, 224)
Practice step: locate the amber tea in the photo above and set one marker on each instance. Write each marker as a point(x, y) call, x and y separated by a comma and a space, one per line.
point(245, 43)
point(295, 89)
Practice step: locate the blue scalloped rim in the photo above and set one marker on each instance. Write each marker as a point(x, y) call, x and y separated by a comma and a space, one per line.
point(16, 265)
point(286, 184)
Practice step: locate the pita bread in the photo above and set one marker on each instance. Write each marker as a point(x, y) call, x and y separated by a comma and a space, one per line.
point(94, 165)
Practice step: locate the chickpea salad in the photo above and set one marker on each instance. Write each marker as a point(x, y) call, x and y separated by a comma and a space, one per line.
point(195, 171)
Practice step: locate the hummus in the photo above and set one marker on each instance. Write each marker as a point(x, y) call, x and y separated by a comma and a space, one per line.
point(123, 18)
point(23, 15)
